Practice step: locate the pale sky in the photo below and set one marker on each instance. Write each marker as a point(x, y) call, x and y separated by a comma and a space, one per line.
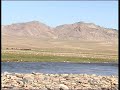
point(54, 13)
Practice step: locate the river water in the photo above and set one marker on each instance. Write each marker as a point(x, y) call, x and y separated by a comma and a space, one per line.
point(61, 68)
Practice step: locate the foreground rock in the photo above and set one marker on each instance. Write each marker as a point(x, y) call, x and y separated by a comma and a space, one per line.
point(58, 81)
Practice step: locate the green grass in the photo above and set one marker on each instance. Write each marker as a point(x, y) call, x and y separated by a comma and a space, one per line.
point(25, 57)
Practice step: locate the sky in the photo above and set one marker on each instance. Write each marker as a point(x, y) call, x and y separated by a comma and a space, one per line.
point(54, 13)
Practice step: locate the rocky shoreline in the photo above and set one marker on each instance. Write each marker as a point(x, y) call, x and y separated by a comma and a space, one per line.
point(40, 81)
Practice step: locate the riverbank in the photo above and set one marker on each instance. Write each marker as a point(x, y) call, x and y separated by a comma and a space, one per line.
point(58, 81)
point(56, 56)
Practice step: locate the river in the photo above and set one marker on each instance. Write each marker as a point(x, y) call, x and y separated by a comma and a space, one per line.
point(61, 68)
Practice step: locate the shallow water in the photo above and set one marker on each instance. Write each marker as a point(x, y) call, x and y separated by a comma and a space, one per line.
point(60, 68)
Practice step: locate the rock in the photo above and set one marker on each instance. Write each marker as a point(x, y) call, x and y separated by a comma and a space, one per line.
point(19, 75)
point(28, 79)
point(63, 87)
point(82, 81)
point(41, 81)
point(48, 87)
point(94, 75)
point(20, 83)
point(93, 82)
point(6, 73)
point(8, 86)
point(34, 73)
point(27, 86)
point(44, 88)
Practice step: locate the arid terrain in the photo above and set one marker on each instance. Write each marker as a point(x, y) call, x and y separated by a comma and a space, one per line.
point(79, 40)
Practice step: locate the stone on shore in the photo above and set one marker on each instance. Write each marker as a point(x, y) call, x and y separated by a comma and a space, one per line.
point(58, 81)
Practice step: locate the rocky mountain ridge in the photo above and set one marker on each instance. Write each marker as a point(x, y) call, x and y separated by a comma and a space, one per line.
point(75, 31)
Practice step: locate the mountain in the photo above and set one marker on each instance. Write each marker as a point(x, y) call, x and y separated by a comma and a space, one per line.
point(77, 31)
point(36, 33)
point(85, 31)
point(28, 29)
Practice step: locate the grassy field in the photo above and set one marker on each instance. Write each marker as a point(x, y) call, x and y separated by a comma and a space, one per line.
point(48, 56)
point(59, 51)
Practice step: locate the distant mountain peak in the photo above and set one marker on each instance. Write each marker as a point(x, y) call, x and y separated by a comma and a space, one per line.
point(80, 22)
point(33, 22)
point(30, 22)
point(86, 23)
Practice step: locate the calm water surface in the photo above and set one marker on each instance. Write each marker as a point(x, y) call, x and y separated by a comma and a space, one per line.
point(60, 68)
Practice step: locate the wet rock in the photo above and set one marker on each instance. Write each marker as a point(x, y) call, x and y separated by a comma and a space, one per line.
point(6, 73)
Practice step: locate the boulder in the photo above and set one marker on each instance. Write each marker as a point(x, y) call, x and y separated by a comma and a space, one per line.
point(63, 87)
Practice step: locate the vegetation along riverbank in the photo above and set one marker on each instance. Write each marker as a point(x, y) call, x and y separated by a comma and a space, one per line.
point(56, 55)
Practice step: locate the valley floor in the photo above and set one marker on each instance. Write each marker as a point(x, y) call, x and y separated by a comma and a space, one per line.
point(54, 55)
point(59, 51)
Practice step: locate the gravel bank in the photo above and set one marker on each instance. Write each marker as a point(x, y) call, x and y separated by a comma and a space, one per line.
point(39, 81)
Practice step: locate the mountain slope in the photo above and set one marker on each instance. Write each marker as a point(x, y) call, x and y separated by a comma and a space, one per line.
point(33, 29)
point(85, 31)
